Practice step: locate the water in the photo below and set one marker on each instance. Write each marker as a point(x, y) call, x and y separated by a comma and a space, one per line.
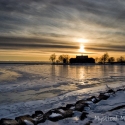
point(21, 83)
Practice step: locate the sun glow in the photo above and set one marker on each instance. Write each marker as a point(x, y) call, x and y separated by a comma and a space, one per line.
point(82, 49)
point(81, 40)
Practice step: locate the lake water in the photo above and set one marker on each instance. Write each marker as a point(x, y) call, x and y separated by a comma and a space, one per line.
point(21, 83)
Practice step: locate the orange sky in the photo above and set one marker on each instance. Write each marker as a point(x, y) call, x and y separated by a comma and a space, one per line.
point(34, 30)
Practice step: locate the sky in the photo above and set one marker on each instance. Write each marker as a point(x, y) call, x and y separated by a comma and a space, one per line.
point(32, 30)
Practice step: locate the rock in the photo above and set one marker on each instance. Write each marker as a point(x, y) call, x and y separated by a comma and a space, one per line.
point(25, 120)
point(93, 99)
point(66, 112)
point(88, 123)
point(120, 90)
point(64, 108)
point(111, 91)
point(80, 101)
point(38, 117)
point(5, 121)
point(118, 107)
point(80, 105)
point(58, 114)
point(103, 96)
point(83, 115)
point(53, 115)
point(70, 106)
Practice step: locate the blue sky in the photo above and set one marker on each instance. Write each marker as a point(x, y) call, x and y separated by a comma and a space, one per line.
point(34, 29)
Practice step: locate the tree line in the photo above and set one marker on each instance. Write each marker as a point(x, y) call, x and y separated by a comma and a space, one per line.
point(106, 58)
point(61, 59)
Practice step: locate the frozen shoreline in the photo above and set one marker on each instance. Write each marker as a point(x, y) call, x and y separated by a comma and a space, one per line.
point(23, 89)
point(99, 113)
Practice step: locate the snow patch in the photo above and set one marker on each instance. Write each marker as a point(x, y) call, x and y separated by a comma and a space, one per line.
point(55, 115)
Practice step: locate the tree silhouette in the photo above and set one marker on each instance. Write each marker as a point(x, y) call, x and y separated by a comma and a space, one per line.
point(52, 58)
point(111, 59)
point(64, 57)
point(60, 58)
point(104, 58)
point(121, 59)
point(96, 59)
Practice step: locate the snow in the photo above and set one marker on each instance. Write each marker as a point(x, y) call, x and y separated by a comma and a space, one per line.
point(27, 88)
point(54, 115)
point(28, 122)
point(61, 110)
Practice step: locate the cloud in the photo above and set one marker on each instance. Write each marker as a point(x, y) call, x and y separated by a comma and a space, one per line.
point(42, 24)
point(18, 43)
point(30, 43)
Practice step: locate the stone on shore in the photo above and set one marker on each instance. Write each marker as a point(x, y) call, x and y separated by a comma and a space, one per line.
point(25, 120)
point(5, 121)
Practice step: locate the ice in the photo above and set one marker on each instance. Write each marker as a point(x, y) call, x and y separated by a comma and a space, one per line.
point(28, 122)
point(61, 110)
point(55, 115)
point(27, 88)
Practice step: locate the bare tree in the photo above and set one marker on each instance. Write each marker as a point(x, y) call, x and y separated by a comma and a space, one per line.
point(60, 58)
point(104, 58)
point(121, 59)
point(96, 59)
point(111, 59)
point(57, 61)
point(64, 57)
point(52, 58)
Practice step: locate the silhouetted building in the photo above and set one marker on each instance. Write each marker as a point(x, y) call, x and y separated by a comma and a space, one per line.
point(82, 59)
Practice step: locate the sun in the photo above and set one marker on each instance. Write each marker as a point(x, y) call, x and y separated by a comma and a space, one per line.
point(81, 40)
point(82, 49)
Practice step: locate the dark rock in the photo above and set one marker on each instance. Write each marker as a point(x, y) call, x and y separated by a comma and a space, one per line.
point(53, 115)
point(64, 108)
point(102, 96)
point(66, 113)
point(118, 107)
point(120, 90)
point(80, 101)
point(111, 91)
point(25, 120)
point(38, 112)
point(69, 106)
point(88, 123)
point(5, 121)
point(58, 114)
point(93, 99)
point(83, 115)
point(80, 105)
point(38, 117)
point(47, 114)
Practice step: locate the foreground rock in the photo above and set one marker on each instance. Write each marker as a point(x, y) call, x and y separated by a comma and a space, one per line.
point(25, 120)
point(38, 117)
point(8, 122)
point(80, 107)
point(83, 115)
point(58, 114)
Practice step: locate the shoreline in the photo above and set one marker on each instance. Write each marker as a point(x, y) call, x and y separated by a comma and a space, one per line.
point(79, 107)
point(48, 63)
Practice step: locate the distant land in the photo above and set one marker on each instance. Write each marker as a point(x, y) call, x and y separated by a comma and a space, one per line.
point(25, 62)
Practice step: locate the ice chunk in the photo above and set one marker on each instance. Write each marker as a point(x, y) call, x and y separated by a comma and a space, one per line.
point(28, 122)
point(61, 110)
point(55, 115)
